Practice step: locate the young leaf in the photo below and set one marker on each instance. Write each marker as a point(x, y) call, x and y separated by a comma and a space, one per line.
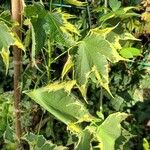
point(110, 130)
point(146, 145)
point(130, 52)
point(68, 65)
point(114, 4)
point(120, 12)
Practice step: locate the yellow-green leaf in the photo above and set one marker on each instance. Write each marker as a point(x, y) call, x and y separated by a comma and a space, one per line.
point(68, 65)
point(102, 32)
point(110, 130)
point(76, 2)
point(85, 139)
point(94, 51)
point(67, 86)
point(18, 43)
point(65, 107)
point(146, 145)
point(5, 56)
point(130, 52)
point(7, 39)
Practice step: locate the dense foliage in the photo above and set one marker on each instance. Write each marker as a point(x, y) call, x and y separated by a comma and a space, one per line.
point(85, 75)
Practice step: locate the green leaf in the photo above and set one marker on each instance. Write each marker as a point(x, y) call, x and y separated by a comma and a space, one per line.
point(121, 13)
point(9, 134)
point(5, 107)
point(6, 40)
point(110, 130)
point(5, 16)
point(59, 29)
point(107, 16)
point(33, 51)
point(146, 145)
point(84, 140)
point(3, 117)
point(5, 56)
point(114, 4)
point(67, 86)
point(64, 106)
point(38, 142)
point(117, 102)
point(145, 82)
point(68, 65)
point(93, 54)
point(66, 24)
point(103, 32)
point(53, 25)
point(130, 52)
point(36, 13)
point(27, 39)
point(128, 36)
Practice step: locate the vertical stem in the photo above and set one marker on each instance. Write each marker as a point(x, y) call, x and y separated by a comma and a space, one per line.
point(16, 9)
point(49, 60)
point(106, 5)
point(101, 99)
point(89, 15)
point(50, 5)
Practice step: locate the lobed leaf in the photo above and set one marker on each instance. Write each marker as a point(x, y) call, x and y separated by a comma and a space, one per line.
point(110, 130)
point(53, 25)
point(6, 40)
point(38, 142)
point(93, 54)
point(64, 106)
point(36, 13)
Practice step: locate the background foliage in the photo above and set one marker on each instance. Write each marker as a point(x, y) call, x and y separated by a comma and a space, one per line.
point(85, 75)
